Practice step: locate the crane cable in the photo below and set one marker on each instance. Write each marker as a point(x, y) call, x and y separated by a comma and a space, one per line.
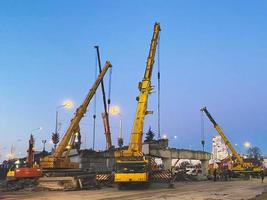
point(109, 89)
point(202, 131)
point(94, 114)
point(159, 87)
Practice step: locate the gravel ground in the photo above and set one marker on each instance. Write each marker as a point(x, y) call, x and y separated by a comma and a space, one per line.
point(262, 196)
point(205, 190)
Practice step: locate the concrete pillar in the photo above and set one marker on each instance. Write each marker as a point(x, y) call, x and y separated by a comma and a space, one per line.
point(204, 167)
point(167, 163)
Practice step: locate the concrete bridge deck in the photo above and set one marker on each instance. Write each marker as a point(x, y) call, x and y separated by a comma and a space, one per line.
point(105, 160)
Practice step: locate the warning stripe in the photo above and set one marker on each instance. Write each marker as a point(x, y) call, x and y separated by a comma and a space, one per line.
point(104, 177)
point(161, 176)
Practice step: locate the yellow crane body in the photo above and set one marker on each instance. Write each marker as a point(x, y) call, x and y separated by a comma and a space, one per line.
point(131, 165)
point(240, 165)
point(131, 171)
point(56, 160)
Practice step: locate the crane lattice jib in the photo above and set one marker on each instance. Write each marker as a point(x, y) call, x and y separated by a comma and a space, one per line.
point(145, 89)
point(80, 113)
point(221, 133)
point(105, 115)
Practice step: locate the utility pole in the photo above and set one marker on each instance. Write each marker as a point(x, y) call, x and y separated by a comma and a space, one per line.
point(43, 141)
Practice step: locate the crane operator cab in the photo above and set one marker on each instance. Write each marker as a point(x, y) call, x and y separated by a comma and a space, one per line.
point(131, 171)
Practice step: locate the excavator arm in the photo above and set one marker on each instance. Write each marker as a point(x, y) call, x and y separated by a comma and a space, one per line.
point(221, 133)
point(56, 160)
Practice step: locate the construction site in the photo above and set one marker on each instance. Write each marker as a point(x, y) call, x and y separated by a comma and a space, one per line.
point(147, 161)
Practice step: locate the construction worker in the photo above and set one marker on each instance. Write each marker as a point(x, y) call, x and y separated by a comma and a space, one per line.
point(230, 167)
point(262, 175)
point(215, 174)
point(215, 168)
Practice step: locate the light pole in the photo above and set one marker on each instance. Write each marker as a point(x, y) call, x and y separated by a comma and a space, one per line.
point(44, 141)
point(12, 153)
point(120, 139)
point(115, 110)
point(66, 104)
point(36, 129)
point(30, 156)
point(169, 139)
point(247, 146)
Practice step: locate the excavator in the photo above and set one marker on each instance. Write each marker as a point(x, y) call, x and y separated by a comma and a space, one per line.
point(131, 165)
point(29, 172)
point(240, 165)
point(57, 167)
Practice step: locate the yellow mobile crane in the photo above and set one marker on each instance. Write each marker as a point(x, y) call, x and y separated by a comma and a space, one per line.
point(56, 160)
point(240, 165)
point(131, 165)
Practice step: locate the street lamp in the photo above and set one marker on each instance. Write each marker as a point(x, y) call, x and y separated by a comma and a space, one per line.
point(165, 137)
point(11, 154)
point(247, 144)
point(36, 129)
point(66, 104)
point(44, 141)
point(32, 140)
point(115, 110)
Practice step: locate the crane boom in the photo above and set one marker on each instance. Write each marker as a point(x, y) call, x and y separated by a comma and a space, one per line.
point(221, 133)
point(145, 88)
point(131, 165)
point(56, 160)
point(135, 145)
point(80, 112)
point(105, 115)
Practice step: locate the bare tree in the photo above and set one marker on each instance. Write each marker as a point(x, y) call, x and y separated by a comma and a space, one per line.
point(254, 152)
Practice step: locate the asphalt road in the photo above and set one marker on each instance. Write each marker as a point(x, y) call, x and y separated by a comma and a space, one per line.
point(205, 190)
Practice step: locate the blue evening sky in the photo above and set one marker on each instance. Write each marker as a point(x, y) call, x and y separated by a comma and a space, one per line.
point(212, 53)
